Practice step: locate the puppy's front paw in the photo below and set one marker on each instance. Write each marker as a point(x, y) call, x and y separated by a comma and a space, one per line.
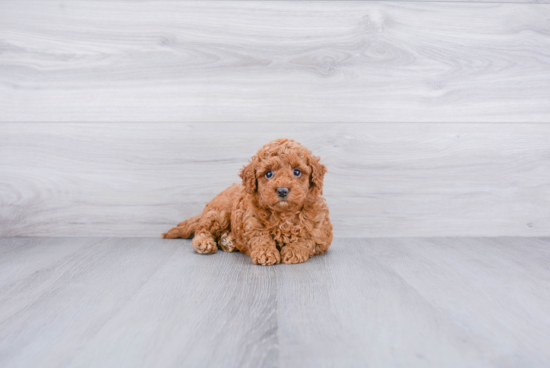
point(293, 253)
point(204, 243)
point(226, 243)
point(265, 256)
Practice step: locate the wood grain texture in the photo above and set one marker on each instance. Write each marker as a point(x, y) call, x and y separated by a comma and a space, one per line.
point(384, 179)
point(134, 302)
point(414, 302)
point(418, 303)
point(328, 61)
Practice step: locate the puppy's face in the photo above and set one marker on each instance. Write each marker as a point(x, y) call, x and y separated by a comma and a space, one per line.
point(283, 182)
point(283, 175)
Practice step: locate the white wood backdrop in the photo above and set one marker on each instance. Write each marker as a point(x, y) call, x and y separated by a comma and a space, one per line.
point(274, 61)
point(138, 179)
point(121, 118)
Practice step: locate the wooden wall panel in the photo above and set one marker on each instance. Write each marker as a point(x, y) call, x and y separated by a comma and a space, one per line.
point(138, 179)
point(274, 61)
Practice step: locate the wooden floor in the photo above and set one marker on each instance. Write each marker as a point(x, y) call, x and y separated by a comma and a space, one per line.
point(378, 302)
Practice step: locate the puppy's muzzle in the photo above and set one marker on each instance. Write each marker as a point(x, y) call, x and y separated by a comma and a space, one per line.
point(283, 192)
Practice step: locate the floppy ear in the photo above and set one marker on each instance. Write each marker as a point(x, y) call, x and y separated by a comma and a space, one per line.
point(318, 172)
point(248, 174)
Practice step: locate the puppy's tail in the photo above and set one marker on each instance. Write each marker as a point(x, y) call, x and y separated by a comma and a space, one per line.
point(184, 229)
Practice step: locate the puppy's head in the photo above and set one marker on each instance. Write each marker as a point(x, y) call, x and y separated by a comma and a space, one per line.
point(283, 175)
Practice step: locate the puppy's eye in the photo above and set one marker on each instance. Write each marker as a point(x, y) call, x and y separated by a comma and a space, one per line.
point(297, 173)
point(269, 174)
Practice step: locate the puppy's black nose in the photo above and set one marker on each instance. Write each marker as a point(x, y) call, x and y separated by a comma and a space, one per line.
point(282, 192)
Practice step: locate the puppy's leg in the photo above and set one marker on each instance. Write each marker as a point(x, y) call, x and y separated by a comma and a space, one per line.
point(263, 250)
point(184, 229)
point(211, 225)
point(204, 242)
point(321, 247)
point(298, 252)
point(323, 237)
point(226, 243)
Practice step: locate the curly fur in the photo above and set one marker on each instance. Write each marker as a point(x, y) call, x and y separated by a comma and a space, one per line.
point(251, 217)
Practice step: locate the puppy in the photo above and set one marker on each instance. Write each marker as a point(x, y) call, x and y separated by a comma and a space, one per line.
point(276, 215)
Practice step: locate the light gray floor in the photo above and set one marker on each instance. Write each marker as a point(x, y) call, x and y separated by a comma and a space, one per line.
point(132, 302)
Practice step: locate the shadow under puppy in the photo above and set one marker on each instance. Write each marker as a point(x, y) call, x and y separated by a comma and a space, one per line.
point(276, 215)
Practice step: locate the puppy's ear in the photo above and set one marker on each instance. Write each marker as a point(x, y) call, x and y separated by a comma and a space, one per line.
point(248, 174)
point(318, 172)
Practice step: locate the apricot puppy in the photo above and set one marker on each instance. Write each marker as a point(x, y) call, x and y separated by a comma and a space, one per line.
point(276, 215)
